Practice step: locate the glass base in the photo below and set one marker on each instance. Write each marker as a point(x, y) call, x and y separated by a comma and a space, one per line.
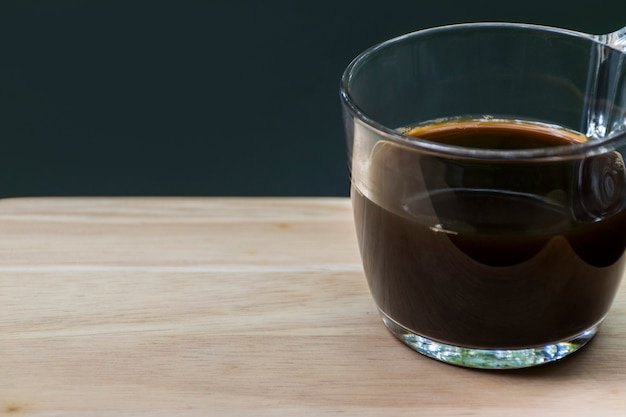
point(490, 358)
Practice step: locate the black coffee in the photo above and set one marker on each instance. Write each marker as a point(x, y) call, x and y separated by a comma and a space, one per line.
point(504, 255)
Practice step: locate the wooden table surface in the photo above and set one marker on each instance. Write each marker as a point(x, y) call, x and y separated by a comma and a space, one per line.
point(236, 306)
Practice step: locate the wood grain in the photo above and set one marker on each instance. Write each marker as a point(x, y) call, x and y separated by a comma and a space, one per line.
point(236, 306)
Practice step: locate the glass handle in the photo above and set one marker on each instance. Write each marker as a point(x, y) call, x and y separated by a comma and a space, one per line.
point(615, 39)
point(603, 91)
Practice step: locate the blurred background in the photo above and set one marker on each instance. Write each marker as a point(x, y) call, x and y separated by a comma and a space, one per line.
point(206, 98)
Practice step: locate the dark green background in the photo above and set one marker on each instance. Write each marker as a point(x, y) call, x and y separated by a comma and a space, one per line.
point(198, 97)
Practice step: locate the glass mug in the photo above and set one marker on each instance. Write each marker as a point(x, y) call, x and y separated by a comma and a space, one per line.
point(489, 189)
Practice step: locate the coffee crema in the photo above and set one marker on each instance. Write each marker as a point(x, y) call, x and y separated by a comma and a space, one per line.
point(496, 134)
point(509, 254)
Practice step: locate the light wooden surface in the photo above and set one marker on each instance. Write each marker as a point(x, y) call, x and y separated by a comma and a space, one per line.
point(255, 307)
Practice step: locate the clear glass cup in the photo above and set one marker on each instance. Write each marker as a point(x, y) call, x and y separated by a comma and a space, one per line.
point(478, 256)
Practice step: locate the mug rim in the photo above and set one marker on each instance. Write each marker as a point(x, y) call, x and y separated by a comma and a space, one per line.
point(589, 148)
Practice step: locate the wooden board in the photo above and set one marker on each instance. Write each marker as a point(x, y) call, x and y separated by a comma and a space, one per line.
point(236, 306)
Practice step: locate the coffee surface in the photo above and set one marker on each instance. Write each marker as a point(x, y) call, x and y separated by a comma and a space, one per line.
point(496, 134)
point(498, 255)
